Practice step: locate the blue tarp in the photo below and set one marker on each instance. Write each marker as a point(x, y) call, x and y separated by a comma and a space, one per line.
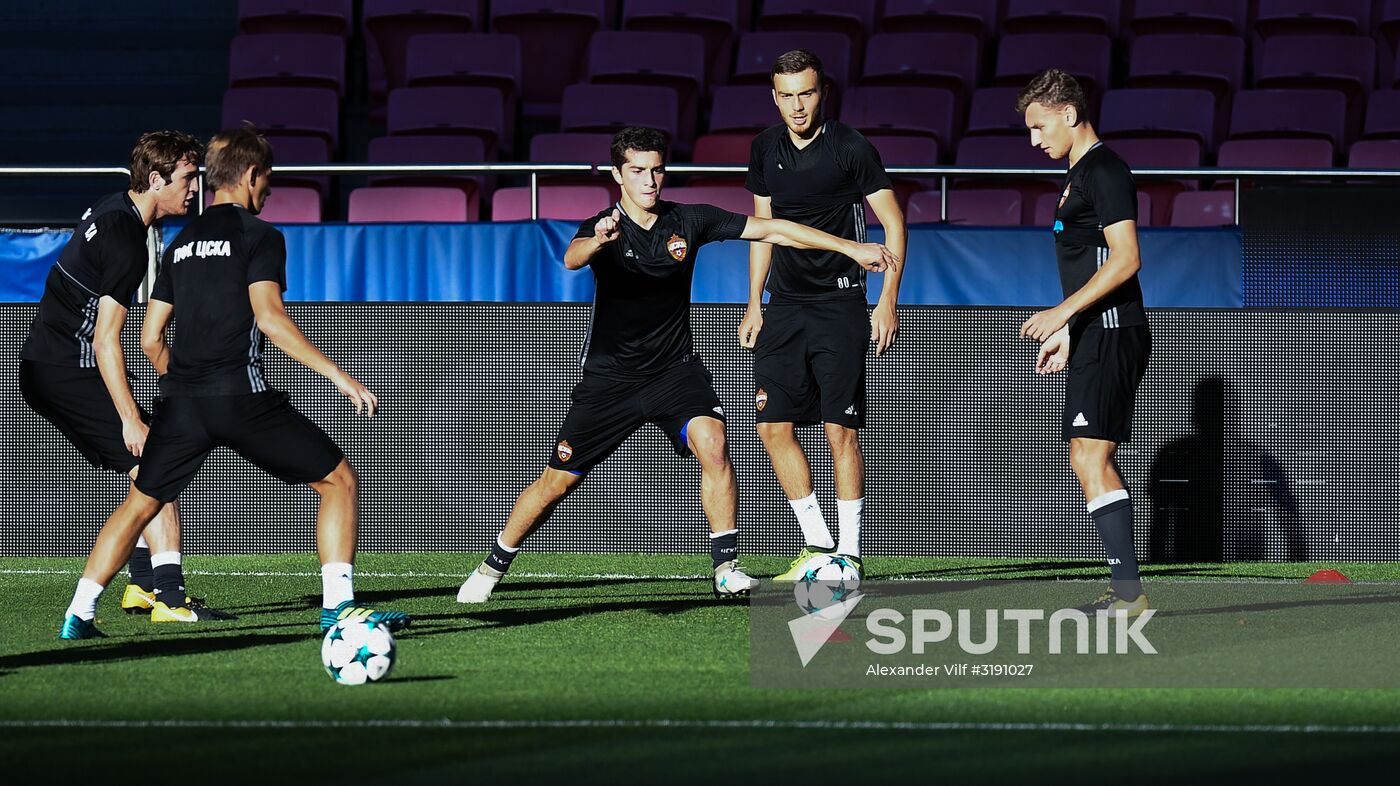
point(522, 262)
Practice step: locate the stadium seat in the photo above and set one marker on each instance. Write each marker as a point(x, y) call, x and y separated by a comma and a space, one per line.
point(1087, 57)
point(1382, 115)
point(1189, 17)
point(757, 51)
point(1204, 62)
point(292, 205)
point(735, 199)
point(746, 108)
point(851, 18)
point(993, 111)
point(433, 149)
point(1386, 23)
point(716, 21)
point(1312, 17)
point(946, 60)
point(1167, 112)
point(1203, 209)
point(467, 60)
point(920, 111)
point(308, 111)
point(560, 28)
point(475, 111)
point(721, 149)
point(1374, 154)
point(1289, 113)
point(609, 108)
point(1337, 62)
point(977, 17)
point(389, 24)
point(330, 17)
point(1062, 16)
point(915, 151)
point(980, 207)
point(1045, 206)
point(287, 60)
point(1004, 151)
point(567, 148)
point(567, 203)
point(673, 60)
point(306, 150)
point(1275, 154)
point(1160, 154)
point(404, 204)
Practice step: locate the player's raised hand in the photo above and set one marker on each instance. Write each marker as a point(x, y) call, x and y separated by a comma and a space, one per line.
point(875, 257)
point(366, 403)
point(748, 329)
point(606, 230)
point(1053, 355)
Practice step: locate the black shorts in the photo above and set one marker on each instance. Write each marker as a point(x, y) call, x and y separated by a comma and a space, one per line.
point(1105, 369)
point(263, 428)
point(809, 363)
point(605, 412)
point(76, 401)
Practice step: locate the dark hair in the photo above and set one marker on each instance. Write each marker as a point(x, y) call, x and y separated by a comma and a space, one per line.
point(1054, 89)
point(797, 61)
point(231, 152)
point(161, 152)
point(642, 140)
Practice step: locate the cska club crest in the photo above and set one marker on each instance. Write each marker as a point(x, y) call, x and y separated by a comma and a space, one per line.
point(1065, 195)
point(566, 451)
point(677, 246)
point(760, 399)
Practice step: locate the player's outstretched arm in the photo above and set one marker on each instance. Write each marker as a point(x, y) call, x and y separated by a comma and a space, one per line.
point(1123, 263)
point(153, 343)
point(871, 256)
point(277, 325)
point(581, 250)
point(760, 260)
point(111, 364)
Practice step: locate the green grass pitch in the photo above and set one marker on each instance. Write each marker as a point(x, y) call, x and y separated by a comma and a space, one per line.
point(602, 668)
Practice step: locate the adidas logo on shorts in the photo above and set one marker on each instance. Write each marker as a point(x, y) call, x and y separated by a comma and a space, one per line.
point(1080, 421)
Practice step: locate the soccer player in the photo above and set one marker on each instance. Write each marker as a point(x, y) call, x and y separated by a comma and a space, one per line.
point(72, 368)
point(639, 361)
point(1099, 332)
point(222, 280)
point(810, 343)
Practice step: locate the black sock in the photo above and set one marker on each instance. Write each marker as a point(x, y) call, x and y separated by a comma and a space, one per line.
point(1115, 524)
point(725, 547)
point(140, 571)
point(501, 557)
point(170, 584)
point(816, 550)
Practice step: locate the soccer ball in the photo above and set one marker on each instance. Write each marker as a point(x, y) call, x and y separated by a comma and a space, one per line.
point(827, 579)
point(358, 651)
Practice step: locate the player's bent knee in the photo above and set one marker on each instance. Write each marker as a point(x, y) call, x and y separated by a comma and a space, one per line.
point(556, 484)
point(775, 432)
point(342, 480)
point(842, 438)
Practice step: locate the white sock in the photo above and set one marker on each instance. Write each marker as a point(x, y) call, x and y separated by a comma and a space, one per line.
point(848, 514)
point(809, 518)
point(141, 542)
point(165, 558)
point(84, 605)
point(337, 584)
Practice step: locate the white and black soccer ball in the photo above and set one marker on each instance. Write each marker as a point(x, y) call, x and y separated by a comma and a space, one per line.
point(827, 579)
point(358, 651)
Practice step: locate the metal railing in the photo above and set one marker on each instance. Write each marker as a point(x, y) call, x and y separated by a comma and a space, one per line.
point(943, 173)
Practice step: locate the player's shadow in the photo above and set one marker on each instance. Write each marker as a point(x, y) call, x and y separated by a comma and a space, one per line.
point(1214, 481)
point(506, 617)
point(112, 651)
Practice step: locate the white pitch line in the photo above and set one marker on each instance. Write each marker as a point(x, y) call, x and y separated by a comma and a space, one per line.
point(886, 726)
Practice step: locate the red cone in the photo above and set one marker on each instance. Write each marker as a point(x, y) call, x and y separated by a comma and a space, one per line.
point(1327, 577)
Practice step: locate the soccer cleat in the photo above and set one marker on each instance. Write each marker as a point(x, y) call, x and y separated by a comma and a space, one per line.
point(192, 610)
point(75, 627)
point(137, 600)
point(477, 588)
point(731, 582)
point(395, 621)
point(1110, 603)
point(798, 568)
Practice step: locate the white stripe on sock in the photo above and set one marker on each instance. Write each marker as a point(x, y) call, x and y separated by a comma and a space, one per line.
point(1107, 499)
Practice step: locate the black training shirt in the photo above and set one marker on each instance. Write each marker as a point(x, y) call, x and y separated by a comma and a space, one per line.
point(205, 275)
point(1099, 192)
point(641, 305)
point(106, 256)
point(824, 186)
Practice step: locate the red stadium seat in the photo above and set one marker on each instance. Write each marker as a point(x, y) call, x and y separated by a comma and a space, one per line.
point(405, 204)
point(555, 33)
point(1062, 16)
point(920, 111)
point(609, 108)
point(308, 111)
point(433, 149)
point(331, 17)
point(716, 21)
point(980, 207)
point(474, 111)
point(994, 112)
point(305, 150)
point(1382, 115)
point(1163, 113)
point(1203, 209)
point(852, 18)
point(292, 205)
point(1375, 154)
point(1312, 17)
point(978, 17)
point(735, 199)
point(1346, 63)
point(757, 51)
point(287, 60)
point(1189, 17)
point(1275, 154)
point(917, 151)
point(747, 108)
point(1160, 154)
point(575, 148)
point(947, 60)
point(1085, 56)
point(1204, 62)
point(1289, 113)
point(389, 24)
point(569, 203)
point(674, 60)
point(467, 60)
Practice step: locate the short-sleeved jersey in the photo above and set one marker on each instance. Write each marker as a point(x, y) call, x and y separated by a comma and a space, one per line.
point(641, 304)
point(824, 186)
point(1099, 192)
point(205, 275)
point(105, 257)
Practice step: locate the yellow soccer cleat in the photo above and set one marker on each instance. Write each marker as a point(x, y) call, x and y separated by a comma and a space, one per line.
point(136, 600)
point(1110, 603)
point(798, 568)
point(192, 610)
